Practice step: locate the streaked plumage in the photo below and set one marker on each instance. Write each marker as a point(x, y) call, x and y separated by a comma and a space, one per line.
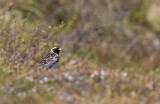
point(51, 60)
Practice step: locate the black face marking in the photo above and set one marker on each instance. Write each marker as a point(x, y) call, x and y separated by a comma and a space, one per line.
point(55, 50)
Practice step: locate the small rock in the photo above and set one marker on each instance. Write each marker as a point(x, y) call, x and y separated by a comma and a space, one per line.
point(124, 74)
point(45, 79)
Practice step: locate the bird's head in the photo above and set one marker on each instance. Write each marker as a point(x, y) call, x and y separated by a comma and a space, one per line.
point(55, 50)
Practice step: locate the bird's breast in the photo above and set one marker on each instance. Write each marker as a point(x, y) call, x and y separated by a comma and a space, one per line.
point(54, 65)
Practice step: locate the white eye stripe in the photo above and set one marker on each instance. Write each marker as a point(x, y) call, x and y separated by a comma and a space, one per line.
point(53, 48)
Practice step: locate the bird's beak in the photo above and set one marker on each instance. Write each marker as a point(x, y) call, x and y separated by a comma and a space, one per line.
point(60, 49)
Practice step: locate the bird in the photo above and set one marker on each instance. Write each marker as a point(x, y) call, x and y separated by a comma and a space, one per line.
point(51, 60)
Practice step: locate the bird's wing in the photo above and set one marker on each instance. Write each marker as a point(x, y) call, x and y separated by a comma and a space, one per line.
point(48, 61)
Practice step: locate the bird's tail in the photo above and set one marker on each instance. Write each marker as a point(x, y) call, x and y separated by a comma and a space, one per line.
point(39, 68)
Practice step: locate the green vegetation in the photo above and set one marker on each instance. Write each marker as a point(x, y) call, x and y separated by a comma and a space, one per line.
point(110, 51)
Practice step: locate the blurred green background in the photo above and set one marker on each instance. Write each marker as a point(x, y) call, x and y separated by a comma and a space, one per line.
point(111, 51)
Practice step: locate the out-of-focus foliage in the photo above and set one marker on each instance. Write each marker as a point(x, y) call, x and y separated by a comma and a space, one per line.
point(119, 30)
point(119, 36)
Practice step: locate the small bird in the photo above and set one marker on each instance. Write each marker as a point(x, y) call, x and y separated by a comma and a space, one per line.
point(51, 60)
